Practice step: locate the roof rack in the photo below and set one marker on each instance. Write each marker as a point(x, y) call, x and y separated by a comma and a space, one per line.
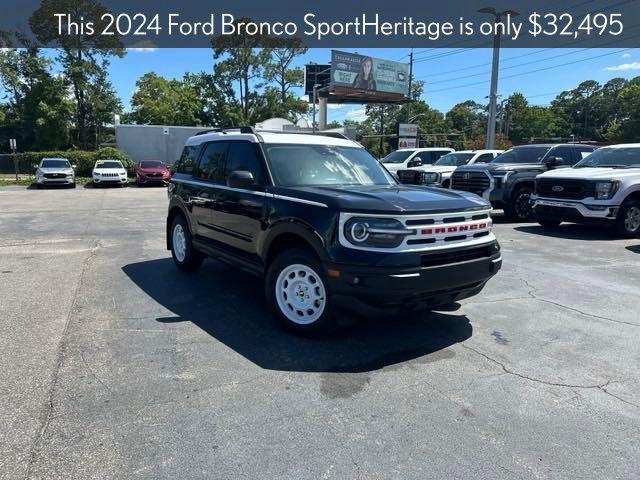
point(255, 132)
point(227, 129)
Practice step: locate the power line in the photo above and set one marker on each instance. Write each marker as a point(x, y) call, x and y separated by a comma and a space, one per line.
point(531, 71)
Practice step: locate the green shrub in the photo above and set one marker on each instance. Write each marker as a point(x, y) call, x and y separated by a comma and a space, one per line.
point(83, 160)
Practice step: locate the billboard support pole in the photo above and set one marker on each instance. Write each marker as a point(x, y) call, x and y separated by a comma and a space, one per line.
point(315, 99)
point(323, 112)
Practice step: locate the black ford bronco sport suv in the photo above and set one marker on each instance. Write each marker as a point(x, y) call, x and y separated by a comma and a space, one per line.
point(509, 179)
point(326, 226)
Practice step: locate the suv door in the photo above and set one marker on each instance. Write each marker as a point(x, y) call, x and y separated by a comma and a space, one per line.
point(206, 191)
point(240, 212)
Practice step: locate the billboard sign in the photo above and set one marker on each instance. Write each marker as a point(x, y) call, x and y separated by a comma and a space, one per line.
point(409, 142)
point(361, 72)
point(407, 130)
point(315, 74)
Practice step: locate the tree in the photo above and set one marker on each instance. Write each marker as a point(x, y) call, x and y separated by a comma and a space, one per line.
point(102, 104)
point(217, 105)
point(38, 110)
point(467, 117)
point(243, 62)
point(159, 101)
point(83, 57)
point(279, 70)
point(627, 128)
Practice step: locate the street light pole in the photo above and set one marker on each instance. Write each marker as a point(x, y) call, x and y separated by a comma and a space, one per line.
point(493, 90)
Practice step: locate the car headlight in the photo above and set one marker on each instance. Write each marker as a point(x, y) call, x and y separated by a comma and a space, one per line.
point(429, 177)
point(606, 190)
point(500, 177)
point(375, 232)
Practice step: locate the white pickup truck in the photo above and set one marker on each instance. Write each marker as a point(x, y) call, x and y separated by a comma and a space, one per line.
point(603, 188)
point(439, 174)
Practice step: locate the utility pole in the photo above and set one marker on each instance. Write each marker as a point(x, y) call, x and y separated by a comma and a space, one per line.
point(382, 130)
point(493, 90)
point(410, 85)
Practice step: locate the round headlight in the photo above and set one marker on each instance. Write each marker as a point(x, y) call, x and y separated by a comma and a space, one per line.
point(359, 231)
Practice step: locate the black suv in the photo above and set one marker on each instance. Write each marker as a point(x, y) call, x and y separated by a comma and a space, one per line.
point(508, 180)
point(326, 225)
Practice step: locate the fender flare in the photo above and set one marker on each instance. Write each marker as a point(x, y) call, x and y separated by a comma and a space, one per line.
point(296, 227)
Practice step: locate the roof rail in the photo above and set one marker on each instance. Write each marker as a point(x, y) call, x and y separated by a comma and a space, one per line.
point(255, 132)
point(227, 129)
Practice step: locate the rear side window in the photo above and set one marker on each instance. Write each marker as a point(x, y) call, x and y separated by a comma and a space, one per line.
point(212, 162)
point(188, 159)
point(582, 152)
point(245, 156)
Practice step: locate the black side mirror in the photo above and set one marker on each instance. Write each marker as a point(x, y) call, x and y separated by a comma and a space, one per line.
point(240, 179)
point(552, 162)
point(415, 162)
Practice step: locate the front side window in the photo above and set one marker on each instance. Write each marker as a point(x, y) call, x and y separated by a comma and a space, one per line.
point(312, 165)
point(563, 153)
point(212, 162)
point(399, 156)
point(244, 156)
point(485, 158)
point(628, 157)
point(522, 155)
point(56, 164)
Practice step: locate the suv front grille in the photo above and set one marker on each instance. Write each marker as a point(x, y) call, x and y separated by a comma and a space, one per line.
point(446, 258)
point(54, 175)
point(560, 188)
point(474, 182)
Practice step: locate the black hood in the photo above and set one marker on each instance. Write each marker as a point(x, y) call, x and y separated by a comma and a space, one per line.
point(388, 199)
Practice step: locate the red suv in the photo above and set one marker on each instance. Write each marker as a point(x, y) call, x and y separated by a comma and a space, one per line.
point(152, 171)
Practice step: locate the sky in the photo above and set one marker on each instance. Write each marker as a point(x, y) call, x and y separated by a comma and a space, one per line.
point(451, 75)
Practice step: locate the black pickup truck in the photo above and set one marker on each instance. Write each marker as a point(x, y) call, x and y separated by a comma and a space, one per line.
point(509, 180)
point(325, 225)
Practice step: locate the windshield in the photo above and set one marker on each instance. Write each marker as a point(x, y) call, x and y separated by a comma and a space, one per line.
point(55, 164)
point(454, 159)
point(398, 156)
point(612, 158)
point(149, 164)
point(109, 164)
point(306, 165)
point(522, 155)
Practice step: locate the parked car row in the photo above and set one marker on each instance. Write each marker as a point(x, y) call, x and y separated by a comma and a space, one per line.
point(552, 183)
point(59, 171)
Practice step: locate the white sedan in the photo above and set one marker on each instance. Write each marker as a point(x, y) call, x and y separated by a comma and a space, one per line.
point(109, 172)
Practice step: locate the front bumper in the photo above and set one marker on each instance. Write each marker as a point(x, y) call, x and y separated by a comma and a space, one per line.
point(573, 211)
point(153, 180)
point(374, 290)
point(110, 180)
point(55, 181)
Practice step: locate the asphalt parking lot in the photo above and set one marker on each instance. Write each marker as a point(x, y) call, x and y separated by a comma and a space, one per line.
point(116, 365)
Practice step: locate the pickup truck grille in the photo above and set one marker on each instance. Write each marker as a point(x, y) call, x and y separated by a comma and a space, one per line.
point(475, 182)
point(560, 188)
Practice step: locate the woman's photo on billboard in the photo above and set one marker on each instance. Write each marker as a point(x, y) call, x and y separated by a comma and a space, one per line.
point(364, 79)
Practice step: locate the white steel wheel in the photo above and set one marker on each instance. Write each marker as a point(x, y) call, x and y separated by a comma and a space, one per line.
point(300, 294)
point(179, 242)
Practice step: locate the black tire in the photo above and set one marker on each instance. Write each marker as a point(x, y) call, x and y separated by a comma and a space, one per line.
point(192, 258)
point(549, 222)
point(446, 184)
point(326, 321)
point(625, 225)
point(518, 208)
